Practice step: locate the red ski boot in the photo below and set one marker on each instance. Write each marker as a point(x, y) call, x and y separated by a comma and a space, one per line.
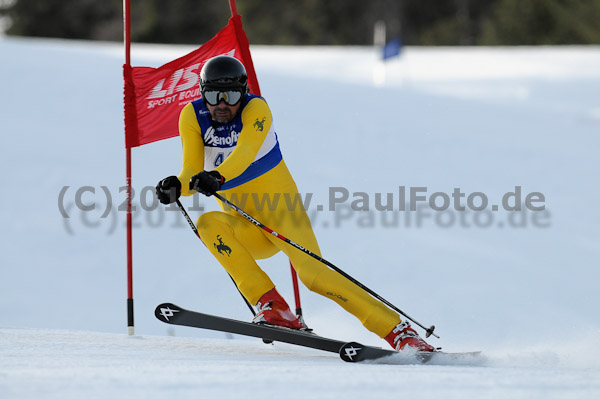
point(404, 335)
point(272, 309)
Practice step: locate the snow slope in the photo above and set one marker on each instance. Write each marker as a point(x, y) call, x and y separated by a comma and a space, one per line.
point(520, 286)
point(60, 363)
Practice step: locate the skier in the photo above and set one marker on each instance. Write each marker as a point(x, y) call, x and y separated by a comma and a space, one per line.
point(230, 146)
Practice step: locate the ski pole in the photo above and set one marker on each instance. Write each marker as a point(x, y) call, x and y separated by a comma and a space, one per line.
point(428, 331)
point(193, 226)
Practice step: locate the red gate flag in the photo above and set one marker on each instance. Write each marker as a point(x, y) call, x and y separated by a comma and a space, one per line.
point(154, 97)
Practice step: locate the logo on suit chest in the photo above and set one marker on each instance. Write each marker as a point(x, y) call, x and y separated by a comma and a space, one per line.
point(221, 137)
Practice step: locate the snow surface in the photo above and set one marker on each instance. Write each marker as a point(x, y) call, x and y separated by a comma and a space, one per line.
point(524, 289)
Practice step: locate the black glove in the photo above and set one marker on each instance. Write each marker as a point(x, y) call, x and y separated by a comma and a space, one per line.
point(207, 183)
point(168, 190)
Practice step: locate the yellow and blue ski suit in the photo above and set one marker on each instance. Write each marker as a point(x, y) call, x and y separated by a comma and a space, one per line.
point(246, 153)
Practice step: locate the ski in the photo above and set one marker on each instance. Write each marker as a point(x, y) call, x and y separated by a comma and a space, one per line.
point(348, 351)
point(354, 352)
point(173, 314)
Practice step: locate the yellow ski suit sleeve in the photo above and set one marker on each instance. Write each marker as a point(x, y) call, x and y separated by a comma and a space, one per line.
point(193, 148)
point(250, 139)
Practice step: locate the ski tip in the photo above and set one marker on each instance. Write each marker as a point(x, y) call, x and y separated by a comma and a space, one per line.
point(166, 312)
point(350, 352)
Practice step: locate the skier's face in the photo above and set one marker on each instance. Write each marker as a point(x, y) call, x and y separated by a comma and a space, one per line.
point(223, 112)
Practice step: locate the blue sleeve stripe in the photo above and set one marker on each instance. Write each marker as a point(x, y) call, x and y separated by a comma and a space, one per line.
point(257, 168)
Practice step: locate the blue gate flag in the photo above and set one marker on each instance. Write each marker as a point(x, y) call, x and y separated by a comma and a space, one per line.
point(392, 48)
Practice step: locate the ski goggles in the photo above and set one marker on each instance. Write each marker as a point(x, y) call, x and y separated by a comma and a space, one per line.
point(214, 97)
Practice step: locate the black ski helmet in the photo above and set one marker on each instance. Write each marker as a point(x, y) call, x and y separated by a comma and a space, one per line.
point(223, 72)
